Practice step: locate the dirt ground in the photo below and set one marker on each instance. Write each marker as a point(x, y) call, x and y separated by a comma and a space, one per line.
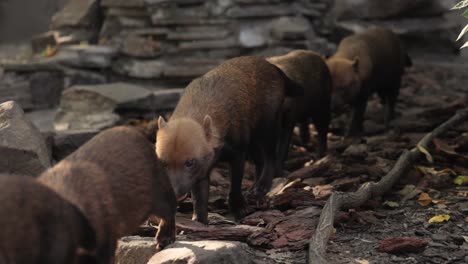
point(280, 229)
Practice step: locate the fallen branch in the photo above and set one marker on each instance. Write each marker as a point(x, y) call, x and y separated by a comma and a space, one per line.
point(314, 170)
point(342, 201)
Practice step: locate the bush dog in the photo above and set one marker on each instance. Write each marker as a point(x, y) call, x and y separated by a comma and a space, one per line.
point(117, 182)
point(309, 70)
point(39, 226)
point(230, 113)
point(365, 63)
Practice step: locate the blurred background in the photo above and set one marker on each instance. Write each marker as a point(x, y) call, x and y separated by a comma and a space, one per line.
point(88, 64)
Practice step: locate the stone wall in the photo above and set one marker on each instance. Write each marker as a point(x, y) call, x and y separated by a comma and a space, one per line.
point(163, 44)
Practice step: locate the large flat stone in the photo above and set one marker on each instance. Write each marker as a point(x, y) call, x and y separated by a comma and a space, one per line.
point(123, 3)
point(77, 13)
point(91, 107)
point(42, 119)
point(145, 69)
point(140, 46)
point(86, 56)
point(204, 252)
point(23, 149)
point(135, 250)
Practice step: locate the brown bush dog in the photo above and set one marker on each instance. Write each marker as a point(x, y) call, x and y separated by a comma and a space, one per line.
point(39, 226)
point(231, 112)
point(365, 63)
point(117, 182)
point(309, 70)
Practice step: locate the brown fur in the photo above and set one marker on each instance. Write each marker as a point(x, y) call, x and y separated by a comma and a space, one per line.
point(39, 226)
point(117, 182)
point(230, 111)
point(307, 69)
point(365, 63)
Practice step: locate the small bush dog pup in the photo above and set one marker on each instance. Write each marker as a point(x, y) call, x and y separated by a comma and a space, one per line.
point(39, 226)
point(117, 182)
point(309, 70)
point(231, 112)
point(365, 63)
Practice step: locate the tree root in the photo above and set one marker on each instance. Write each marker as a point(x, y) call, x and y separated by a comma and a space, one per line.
point(342, 201)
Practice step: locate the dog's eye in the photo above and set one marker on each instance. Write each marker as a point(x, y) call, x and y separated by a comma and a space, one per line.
point(190, 163)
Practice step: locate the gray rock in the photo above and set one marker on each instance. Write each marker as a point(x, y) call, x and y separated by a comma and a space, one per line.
point(179, 2)
point(209, 44)
point(145, 69)
point(164, 100)
point(83, 77)
point(88, 56)
point(128, 12)
point(252, 37)
point(123, 3)
point(133, 22)
point(290, 28)
point(91, 107)
point(42, 119)
point(258, 11)
point(15, 87)
point(173, 12)
point(135, 250)
point(198, 33)
point(46, 88)
point(365, 9)
point(77, 121)
point(204, 252)
point(22, 147)
point(77, 13)
point(65, 143)
point(188, 21)
point(153, 69)
point(140, 46)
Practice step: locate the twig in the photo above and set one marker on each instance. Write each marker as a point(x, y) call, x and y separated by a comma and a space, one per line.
point(342, 201)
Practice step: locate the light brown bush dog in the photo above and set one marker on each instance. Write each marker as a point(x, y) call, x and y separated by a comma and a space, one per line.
point(39, 226)
point(117, 182)
point(229, 113)
point(365, 63)
point(309, 70)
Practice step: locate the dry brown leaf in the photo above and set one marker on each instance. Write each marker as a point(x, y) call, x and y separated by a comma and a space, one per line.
point(424, 199)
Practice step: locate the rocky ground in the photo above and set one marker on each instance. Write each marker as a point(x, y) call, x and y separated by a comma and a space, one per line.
point(279, 231)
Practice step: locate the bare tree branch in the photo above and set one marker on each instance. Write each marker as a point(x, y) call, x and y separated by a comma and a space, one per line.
point(342, 201)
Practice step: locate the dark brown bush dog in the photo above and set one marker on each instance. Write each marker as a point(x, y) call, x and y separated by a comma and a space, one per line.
point(39, 226)
point(309, 70)
point(229, 113)
point(365, 63)
point(117, 182)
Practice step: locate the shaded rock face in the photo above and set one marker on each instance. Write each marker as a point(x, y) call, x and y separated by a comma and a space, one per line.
point(22, 148)
point(135, 249)
point(77, 13)
point(378, 9)
point(92, 107)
